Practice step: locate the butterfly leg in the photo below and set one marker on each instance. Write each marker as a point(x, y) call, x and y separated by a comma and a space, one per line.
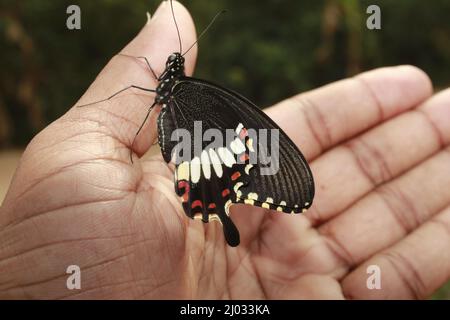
point(140, 128)
point(115, 94)
point(146, 61)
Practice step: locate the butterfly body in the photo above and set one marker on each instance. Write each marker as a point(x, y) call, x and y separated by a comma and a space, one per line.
point(214, 177)
point(173, 72)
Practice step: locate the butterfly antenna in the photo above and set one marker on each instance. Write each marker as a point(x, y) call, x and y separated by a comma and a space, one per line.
point(204, 31)
point(176, 25)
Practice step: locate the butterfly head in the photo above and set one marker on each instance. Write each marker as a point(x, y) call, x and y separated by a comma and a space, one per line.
point(174, 71)
point(175, 60)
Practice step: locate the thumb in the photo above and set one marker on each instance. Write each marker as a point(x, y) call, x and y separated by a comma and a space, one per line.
point(124, 113)
point(80, 134)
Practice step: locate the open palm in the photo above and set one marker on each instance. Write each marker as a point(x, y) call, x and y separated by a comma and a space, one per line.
point(377, 146)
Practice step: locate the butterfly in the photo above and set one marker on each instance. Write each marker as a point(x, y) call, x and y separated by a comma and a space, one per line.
point(213, 179)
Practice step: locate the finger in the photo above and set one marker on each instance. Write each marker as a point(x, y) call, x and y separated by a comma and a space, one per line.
point(411, 269)
point(379, 155)
point(330, 108)
point(123, 114)
point(385, 216)
point(319, 119)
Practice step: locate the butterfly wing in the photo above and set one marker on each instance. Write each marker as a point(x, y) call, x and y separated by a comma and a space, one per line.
point(281, 180)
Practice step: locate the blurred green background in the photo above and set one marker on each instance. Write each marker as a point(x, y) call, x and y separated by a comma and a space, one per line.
point(266, 50)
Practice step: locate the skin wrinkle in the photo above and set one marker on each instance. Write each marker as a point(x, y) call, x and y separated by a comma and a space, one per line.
point(336, 247)
point(207, 265)
point(110, 134)
point(298, 257)
point(61, 142)
point(61, 169)
point(51, 210)
point(3, 259)
point(159, 286)
point(371, 93)
point(88, 267)
point(128, 253)
point(259, 280)
point(308, 109)
point(367, 158)
point(101, 135)
point(231, 274)
point(84, 269)
point(247, 265)
point(121, 119)
point(402, 208)
point(438, 134)
point(213, 274)
point(402, 266)
point(442, 224)
point(94, 157)
point(382, 173)
point(64, 275)
point(101, 287)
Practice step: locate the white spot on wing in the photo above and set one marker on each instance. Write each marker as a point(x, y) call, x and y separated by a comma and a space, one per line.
point(227, 207)
point(253, 196)
point(226, 156)
point(183, 171)
point(239, 128)
point(250, 145)
point(215, 161)
point(195, 170)
point(237, 146)
point(214, 217)
point(237, 186)
point(206, 165)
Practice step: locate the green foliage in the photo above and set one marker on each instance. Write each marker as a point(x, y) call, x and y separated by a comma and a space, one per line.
point(267, 50)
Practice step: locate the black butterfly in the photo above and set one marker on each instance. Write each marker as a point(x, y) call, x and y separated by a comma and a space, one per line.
point(216, 178)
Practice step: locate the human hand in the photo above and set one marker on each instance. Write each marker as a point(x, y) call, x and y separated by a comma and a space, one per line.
point(378, 148)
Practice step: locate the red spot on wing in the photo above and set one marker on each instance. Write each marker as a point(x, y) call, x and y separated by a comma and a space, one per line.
point(212, 206)
point(225, 192)
point(244, 157)
point(184, 185)
point(235, 175)
point(197, 203)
